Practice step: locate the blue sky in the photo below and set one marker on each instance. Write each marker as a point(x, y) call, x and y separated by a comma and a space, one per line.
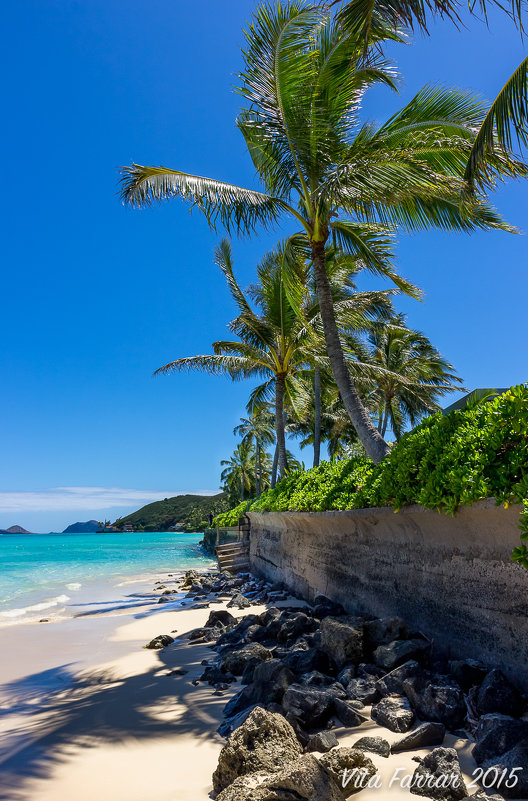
point(96, 296)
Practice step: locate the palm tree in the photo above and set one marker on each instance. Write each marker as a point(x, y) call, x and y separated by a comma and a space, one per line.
point(416, 375)
point(355, 312)
point(273, 340)
point(323, 415)
point(304, 79)
point(237, 474)
point(259, 430)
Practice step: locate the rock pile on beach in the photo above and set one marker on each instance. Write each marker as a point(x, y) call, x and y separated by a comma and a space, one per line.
point(305, 668)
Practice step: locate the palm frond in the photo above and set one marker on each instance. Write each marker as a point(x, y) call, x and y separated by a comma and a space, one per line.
point(236, 207)
point(458, 213)
point(370, 19)
point(270, 155)
point(237, 367)
point(224, 260)
point(445, 108)
point(261, 395)
point(505, 124)
point(279, 59)
point(373, 246)
point(257, 355)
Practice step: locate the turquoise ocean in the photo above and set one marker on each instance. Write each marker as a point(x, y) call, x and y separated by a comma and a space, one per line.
point(40, 573)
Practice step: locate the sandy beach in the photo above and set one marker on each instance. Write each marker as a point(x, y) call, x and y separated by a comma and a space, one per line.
point(86, 712)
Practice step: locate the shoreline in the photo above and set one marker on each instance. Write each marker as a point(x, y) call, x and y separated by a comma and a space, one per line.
point(48, 580)
point(87, 712)
point(91, 592)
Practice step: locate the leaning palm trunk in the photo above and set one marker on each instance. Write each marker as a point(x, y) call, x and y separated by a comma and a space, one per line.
point(279, 425)
point(371, 439)
point(317, 416)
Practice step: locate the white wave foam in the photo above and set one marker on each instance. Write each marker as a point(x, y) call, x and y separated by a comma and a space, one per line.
point(73, 586)
point(13, 613)
point(49, 604)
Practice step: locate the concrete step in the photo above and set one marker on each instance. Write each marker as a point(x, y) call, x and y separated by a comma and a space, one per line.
point(237, 558)
point(234, 564)
point(232, 546)
point(230, 562)
point(229, 551)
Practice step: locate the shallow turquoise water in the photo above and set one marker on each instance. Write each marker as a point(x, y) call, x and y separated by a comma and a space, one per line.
point(38, 572)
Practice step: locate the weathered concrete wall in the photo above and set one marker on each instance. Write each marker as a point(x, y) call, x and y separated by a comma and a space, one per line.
point(450, 577)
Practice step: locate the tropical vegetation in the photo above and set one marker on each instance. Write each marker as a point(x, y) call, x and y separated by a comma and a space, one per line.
point(447, 461)
point(336, 366)
point(340, 180)
point(416, 375)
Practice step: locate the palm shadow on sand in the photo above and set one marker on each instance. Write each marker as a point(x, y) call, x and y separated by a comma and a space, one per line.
point(57, 709)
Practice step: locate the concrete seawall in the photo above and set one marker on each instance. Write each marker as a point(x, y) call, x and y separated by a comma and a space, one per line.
point(449, 577)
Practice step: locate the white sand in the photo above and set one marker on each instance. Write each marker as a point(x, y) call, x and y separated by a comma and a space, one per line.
point(87, 714)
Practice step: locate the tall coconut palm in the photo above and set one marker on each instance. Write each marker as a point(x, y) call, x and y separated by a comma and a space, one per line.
point(416, 376)
point(258, 429)
point(303, 81)
point(273, 340)
point(237, 475)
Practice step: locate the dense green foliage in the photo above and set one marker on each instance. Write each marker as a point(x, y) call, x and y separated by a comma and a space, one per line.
point(448, 460)
point(231, 518)
point(189, 512)
point(332, 485)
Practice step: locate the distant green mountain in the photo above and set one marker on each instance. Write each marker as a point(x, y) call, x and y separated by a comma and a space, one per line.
point(185, 512)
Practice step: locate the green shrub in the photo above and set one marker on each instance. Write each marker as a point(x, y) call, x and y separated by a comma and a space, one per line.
point(231, 518)
point(447, 461)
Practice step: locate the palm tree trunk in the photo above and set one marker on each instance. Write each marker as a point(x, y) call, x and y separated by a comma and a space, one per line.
point(257, 466)
point(274, 468)
point(386, 419)
point(317, 416)
point(371, 439)
point(279, 424)
point(285, 421)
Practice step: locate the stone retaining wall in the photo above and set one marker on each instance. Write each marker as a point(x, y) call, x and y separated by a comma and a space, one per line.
point(450, 577)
